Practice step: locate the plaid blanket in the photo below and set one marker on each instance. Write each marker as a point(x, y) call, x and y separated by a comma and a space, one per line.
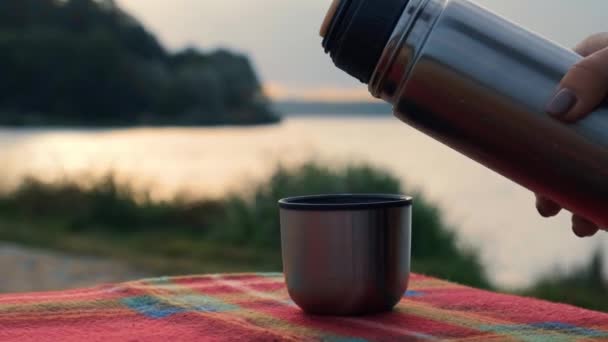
point(257, 307)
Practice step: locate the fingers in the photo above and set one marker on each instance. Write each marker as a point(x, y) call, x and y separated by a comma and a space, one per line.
point(580, 226)
point(546, 207)
point(580, 92)
point(583, 227)
point(583, 88)
point(592, 44)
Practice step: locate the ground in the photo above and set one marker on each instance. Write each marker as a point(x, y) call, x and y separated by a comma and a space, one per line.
point(27, 269)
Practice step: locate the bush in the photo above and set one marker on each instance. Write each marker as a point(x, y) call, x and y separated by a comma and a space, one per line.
point(584, 287)
point(180, 226)
point(253, 220)
point(105, 204)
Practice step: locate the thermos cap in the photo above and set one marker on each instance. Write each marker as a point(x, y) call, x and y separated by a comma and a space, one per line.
point(356, 32)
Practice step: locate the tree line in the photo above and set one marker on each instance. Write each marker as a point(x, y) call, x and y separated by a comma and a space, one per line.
point(88, 62)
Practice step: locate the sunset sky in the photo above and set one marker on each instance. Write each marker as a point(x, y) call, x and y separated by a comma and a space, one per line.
point(281, 36)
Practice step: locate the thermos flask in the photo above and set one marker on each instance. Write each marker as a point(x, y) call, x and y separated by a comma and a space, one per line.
point(479, 84)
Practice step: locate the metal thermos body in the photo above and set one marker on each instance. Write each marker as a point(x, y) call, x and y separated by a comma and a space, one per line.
point(480, 84)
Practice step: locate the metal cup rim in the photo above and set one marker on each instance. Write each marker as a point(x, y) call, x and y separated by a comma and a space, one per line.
point(331, 202)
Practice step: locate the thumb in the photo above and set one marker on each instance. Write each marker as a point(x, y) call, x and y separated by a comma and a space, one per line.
point(583, 88)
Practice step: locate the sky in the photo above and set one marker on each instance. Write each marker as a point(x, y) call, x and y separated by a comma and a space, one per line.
point(282, 36)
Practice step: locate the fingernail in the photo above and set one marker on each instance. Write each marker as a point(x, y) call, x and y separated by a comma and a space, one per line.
point(562, 103)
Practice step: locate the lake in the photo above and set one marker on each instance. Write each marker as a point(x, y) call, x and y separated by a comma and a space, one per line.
point(488, 211)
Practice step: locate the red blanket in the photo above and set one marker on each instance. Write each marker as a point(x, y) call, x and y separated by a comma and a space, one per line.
point(257, 307)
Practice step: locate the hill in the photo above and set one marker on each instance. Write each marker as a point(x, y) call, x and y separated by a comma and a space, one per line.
point(88, 62)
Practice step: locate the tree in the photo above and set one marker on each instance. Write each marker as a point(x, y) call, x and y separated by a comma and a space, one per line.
point(89, 62)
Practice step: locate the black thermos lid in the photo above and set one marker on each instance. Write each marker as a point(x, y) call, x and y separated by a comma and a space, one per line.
point(358, 33)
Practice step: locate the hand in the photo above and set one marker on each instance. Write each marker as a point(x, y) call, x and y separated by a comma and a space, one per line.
point(583, 88)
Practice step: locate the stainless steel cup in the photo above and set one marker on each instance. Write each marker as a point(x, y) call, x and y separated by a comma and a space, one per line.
point(346, 254)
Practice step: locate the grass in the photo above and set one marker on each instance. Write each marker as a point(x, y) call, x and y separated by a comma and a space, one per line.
point(584, 287)
point(106, 217)
point(435, 251)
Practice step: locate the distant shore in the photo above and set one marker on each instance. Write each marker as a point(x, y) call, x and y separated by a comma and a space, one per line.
point(14, 120)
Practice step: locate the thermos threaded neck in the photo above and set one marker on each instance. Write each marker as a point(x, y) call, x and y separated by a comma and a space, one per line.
point(356, 32)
